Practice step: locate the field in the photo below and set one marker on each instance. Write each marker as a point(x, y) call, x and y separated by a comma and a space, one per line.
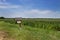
point(32, 29)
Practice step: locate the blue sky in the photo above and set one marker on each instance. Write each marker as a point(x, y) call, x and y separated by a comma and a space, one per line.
point(30, 8)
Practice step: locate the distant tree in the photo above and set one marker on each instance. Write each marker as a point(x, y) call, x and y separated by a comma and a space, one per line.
point(2, 18)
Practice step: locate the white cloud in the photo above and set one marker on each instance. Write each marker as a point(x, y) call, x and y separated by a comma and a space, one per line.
point(32, 14)
point(2, 1)
point(35, 13)
point(10, 6)
point(4, 4)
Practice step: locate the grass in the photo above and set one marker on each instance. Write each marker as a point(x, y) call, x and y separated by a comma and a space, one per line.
point(12, 29)
point(28, 33)
point(42, 34)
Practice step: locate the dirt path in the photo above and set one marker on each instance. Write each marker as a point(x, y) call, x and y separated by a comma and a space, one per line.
point(3, 35)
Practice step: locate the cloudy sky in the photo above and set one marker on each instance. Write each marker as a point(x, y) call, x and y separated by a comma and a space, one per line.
point(30, 8)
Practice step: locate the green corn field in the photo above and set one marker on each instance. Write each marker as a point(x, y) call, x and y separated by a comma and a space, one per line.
point(32, 29)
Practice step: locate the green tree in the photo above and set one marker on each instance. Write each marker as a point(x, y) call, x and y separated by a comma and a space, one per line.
point(2, 17)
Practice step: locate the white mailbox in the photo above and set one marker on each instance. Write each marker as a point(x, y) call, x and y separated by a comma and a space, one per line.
point(18, 20)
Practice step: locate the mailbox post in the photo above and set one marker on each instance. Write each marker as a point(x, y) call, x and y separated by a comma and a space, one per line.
point(19, 21)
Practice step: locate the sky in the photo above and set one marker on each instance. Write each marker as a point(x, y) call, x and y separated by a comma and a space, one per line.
point(30, 8)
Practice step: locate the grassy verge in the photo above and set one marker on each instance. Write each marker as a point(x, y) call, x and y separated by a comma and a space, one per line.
point(28, 33)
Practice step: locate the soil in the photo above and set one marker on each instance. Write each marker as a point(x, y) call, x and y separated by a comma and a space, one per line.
point(3, 35)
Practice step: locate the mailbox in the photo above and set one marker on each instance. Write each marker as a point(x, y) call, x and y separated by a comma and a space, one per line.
point(18, 20)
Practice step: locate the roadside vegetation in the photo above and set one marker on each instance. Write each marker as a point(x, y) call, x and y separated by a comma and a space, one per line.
point(32, 29)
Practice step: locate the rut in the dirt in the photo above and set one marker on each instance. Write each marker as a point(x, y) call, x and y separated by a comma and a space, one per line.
point(3, 35)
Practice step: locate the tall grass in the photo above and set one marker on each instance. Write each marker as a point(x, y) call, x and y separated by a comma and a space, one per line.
point(11, 29)
point(28, 32)
point(51, 24)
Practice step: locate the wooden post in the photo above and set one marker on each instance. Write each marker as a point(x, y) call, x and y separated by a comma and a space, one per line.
point(20, 24)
